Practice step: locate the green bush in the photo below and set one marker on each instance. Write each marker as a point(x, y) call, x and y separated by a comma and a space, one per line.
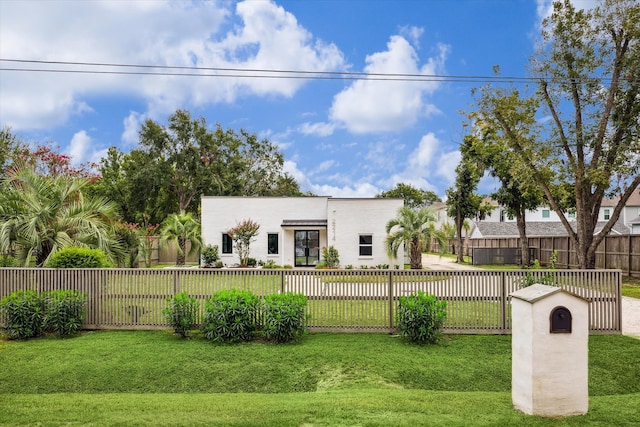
point(330, 257)
point(230, 315)
point(8, 261)
point(23, 314)
point(420, 317)
point(210, 256)
point(284, 316)
point(182, 313)
point(74, 257)
point(65, 311)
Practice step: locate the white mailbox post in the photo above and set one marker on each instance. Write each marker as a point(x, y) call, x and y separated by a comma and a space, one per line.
point(549, 368)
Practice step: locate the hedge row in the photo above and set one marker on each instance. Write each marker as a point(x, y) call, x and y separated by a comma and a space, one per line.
point(26, 314)
point(232, 315)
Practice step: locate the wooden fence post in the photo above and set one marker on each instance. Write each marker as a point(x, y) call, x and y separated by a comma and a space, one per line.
point(390, 301)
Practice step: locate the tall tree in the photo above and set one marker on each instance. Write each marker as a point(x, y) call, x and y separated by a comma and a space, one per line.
point(462, 200)
point(588, 67)
point(175, 164)
point(515, 196)
point(413, 229)
point(10, 146)
point(414, 198)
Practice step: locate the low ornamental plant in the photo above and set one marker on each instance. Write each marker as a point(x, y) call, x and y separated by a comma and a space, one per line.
point(210, 256)
point(23, 314)
point(330, 257)
point(64, 312)
point(182, 313)
point(230, 316)
point(284, 316)
point(420, 317)
point(74, 257)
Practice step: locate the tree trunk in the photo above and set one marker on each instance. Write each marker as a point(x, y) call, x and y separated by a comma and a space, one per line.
point(181, 257)
point(524, 241)
point(459, 223)
point(415, 254)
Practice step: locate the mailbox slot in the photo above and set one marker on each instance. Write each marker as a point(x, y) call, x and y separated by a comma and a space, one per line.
point(560, 321)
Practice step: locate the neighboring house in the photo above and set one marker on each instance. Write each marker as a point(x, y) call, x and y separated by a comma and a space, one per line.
point(293, 230)
point(544, 221)
point(630, 215)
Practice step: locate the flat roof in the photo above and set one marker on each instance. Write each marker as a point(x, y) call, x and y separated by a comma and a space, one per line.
point(304, 223)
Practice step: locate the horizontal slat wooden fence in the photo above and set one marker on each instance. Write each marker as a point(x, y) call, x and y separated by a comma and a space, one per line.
point(339, 300)
point(614, 252)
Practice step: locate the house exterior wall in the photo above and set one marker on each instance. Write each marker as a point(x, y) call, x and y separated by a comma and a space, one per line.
point(346, 220)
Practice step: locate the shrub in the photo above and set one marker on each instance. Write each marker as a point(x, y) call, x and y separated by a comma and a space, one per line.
point(210, 255)
point(23, 314)
point(330, 257)
point(251, 262)
point(230, 315)
point(270, 264)
point(182, 313)
point(8, 261)
point(74, 257)
point(65, 311)
point(420, 317)
point(284, 316)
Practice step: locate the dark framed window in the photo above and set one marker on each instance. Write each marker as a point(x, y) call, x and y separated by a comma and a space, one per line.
point(227, 244)
point(607, 214)
point(366, 244)
point(272, 243)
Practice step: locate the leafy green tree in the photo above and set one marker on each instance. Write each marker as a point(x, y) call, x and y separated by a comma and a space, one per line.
point(10, 146)
point(462, 201)
point(413, 228)
point(414, 198)
point(182, 228)
point(43, 214)
point(175, 164)
point(515, 196)
point(242, 235)
point(587, 67)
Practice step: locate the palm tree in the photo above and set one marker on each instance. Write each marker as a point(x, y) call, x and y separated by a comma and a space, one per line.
point(43, 214)
point(412, 228)
point(183, 228)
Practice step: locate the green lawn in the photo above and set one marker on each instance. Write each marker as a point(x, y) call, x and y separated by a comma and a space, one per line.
point(155, 378)
point(630, 287)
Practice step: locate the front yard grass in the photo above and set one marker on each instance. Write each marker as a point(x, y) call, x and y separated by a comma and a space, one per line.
point(630, 287)
point(156, 378)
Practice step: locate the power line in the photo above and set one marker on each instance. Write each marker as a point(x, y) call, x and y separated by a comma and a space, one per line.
point(226, 72)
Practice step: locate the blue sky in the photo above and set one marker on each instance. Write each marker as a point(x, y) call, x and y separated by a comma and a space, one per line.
point(340, 137)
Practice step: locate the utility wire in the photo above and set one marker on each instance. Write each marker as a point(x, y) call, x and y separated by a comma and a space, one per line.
point(186, 71)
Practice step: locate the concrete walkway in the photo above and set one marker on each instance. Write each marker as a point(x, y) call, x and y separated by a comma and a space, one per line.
point(630, 306)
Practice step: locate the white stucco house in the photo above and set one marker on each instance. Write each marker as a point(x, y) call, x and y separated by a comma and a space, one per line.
point(293, 230)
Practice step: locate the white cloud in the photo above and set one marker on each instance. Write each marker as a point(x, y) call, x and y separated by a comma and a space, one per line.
point(363, 189)
point(263, 35)
point(82, 149)
point(447, 164)
point(131, 124)
point(318, 129)
point(385, 106)
point(79, 146)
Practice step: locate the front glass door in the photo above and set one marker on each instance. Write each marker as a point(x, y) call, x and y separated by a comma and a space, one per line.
point(307, 247)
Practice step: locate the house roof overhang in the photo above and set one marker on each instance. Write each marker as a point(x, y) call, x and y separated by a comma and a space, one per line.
point(295, 223)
